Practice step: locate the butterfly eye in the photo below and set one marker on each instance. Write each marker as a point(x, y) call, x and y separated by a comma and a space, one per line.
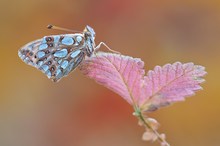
point(90, 29)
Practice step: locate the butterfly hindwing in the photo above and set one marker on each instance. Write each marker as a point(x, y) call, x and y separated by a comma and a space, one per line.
point(69, 64)
point(55, 55)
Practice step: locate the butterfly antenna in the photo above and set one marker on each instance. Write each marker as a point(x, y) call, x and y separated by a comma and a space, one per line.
point(60, 28)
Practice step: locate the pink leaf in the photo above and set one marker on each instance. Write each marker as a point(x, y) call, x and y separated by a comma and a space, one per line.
point(162, 86)
point(125, 75)
point(170, 83)
point(122, 74)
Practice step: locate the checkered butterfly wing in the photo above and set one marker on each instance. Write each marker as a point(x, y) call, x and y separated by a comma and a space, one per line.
point(55, 55)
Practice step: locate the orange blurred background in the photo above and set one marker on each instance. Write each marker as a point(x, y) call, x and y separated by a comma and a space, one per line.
point(76, 111)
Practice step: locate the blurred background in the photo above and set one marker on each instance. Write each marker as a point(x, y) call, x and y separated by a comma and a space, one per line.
point(34, 111)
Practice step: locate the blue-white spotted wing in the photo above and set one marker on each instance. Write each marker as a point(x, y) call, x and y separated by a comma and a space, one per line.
point(55, 55)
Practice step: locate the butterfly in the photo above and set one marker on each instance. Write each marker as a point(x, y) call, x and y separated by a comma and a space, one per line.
point(58, 55)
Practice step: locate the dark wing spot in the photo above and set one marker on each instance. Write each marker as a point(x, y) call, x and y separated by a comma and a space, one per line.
point(50, 45)
point(52, 68)
point(49, 62)
point(49, 39)
point(31, 53)
point(61, 38)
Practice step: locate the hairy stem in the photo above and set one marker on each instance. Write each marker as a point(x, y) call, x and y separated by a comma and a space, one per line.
point(146, 123)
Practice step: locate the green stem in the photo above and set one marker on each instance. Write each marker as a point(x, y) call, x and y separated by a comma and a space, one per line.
point(139, 114)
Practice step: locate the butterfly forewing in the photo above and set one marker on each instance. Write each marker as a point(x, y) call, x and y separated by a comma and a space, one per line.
point(55, 55)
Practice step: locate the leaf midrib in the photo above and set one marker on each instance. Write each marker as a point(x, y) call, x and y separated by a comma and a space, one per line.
point(122, 78)
point(167, 85)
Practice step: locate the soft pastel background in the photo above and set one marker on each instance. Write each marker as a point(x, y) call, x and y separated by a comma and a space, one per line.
point(76, 111)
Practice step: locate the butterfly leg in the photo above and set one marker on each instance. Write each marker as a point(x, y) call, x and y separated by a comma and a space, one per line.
point(102, 43)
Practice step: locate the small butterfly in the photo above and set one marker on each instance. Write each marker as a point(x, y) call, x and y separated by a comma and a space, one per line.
point(58, 55)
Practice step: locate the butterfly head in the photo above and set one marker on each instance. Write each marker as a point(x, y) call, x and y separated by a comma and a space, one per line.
point(89, 35)
point(89, 32)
